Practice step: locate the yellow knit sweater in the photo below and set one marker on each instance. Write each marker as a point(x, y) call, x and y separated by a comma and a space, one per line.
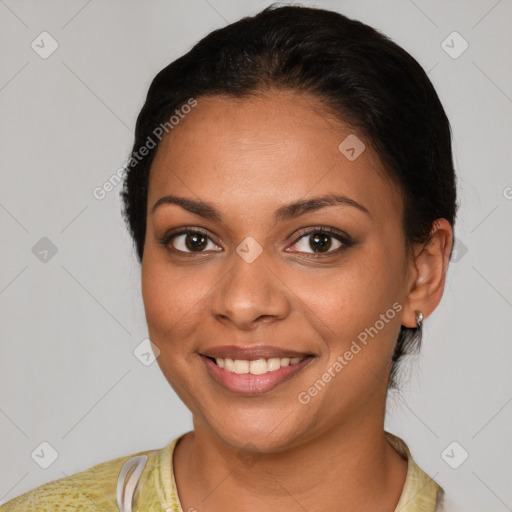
point(147, 485)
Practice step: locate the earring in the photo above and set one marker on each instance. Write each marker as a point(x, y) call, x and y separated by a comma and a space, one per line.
point(419, 319)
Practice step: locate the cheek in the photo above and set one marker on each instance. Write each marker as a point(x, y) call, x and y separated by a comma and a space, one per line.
point(354, 294)
point(172, 297)
point(360, 302)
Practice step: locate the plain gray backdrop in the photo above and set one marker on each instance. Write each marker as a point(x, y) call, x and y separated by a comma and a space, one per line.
point(73, 78)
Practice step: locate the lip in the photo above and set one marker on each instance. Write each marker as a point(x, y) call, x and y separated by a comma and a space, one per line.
point(250, 353)
point(249, 384)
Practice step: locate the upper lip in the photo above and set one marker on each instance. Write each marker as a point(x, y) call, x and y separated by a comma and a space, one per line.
point(250, 353)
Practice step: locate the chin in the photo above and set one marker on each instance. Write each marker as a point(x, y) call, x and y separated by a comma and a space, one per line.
point(258, 432)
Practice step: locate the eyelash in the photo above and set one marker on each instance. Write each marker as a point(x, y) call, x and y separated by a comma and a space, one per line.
point(342, 237)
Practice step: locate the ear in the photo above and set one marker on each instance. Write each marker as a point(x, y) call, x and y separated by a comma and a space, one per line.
point(427, 273)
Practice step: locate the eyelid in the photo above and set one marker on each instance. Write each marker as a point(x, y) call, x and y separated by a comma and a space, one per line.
point(323, 229)
point(185, 230)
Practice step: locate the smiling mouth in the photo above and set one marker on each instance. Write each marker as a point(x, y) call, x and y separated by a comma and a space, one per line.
point(254, 376)
point(255, 366)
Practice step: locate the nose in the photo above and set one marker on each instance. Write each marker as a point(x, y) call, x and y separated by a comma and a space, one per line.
point(250, 294)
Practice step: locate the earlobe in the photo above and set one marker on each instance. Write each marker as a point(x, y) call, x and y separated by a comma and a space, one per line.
point(428, 274)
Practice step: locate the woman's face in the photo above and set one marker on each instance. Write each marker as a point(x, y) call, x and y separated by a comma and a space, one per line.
point(261, 281)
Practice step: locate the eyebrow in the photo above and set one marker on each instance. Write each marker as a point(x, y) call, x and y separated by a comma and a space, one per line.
point(285, 212)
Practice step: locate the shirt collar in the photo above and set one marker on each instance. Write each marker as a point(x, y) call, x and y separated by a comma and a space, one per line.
point(419, 494)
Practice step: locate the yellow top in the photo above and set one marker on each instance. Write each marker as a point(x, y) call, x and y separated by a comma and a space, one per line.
point(144, 481)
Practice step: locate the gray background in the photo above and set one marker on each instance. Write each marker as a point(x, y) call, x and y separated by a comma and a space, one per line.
point(70, 321)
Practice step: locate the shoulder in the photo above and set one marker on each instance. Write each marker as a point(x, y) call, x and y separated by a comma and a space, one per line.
point(92, 489)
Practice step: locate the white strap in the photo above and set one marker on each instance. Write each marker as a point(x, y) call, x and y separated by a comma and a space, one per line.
point(124, 493)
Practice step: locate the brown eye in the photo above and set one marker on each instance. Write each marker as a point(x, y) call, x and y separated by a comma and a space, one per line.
point(317, 243)
point(320, 241)
point(191, 241)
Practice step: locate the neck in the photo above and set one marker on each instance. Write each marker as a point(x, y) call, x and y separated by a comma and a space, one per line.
point(347, 468)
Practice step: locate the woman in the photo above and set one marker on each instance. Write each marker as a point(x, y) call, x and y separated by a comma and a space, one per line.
point(291, 197)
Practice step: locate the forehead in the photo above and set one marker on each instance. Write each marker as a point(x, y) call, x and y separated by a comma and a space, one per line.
point(267, 150)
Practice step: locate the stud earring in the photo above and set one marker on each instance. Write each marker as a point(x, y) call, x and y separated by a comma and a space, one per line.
point(419, 319)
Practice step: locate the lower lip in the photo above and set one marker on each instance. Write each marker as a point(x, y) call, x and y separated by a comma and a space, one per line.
point(250, 384)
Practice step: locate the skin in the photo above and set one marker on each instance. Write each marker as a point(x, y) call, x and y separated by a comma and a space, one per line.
point(249, 157)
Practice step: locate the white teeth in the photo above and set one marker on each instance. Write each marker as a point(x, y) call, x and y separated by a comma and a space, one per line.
point(241, 366)
point(273, 364)
point(256, 366)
